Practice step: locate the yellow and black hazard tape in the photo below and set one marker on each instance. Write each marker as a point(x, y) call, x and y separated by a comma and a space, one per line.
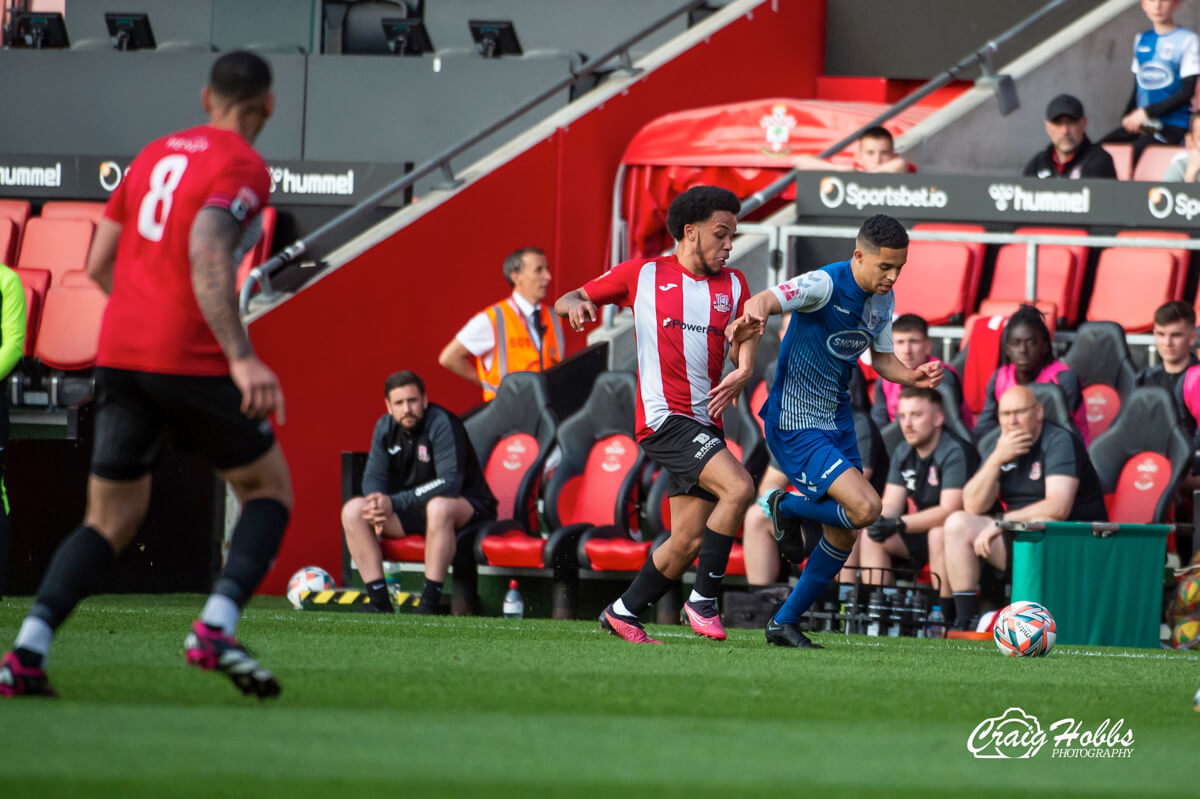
point(350, 599)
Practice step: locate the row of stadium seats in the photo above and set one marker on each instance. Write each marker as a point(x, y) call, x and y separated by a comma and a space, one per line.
point(591, 499)
point(1129, 282)
point(1152, 166)
point(49, 254)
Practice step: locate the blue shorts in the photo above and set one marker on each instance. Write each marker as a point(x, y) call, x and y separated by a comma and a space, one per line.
point(811, 458)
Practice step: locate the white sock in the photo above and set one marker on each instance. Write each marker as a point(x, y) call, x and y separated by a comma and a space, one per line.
point(36, 636)
point(620, 609)
point(695, 597)
point(222, 612)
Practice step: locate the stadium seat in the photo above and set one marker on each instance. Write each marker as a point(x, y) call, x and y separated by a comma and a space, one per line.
point(1055, 404)
point(1122, 156)
point(18, 211)
point(73, 209)
point(261, 250)
point(595, 484)
point(70, 327)
point(36, 283)
point(8, 241)
point(938, 274)
point(982, 358)
point(977, 249)
point(1055, 278)
point(1152, 166)
point(56, 245)
point(512, 436)
point(1101, 359)
point(1082, 256)
point(1130, 283)
point(1141, 458)
point(1182, 257)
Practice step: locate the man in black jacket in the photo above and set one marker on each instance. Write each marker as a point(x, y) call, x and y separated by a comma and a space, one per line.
point(422, 476)
point(1071, 154)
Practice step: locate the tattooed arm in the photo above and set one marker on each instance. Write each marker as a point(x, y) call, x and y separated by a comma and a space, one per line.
point(214, 236)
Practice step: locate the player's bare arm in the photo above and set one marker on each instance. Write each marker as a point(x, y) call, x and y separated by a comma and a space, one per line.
point(577, 307)
point(726, 392)
point(103, 254)
point(744, 327)
point(459, 360)
point(214, 236)
point(927, 375)
point(760, 306)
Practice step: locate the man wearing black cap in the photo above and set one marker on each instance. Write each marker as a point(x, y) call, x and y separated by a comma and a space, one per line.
point(1070, 154)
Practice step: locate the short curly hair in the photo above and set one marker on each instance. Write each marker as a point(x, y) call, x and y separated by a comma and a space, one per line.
point(698, 204)
point(881, 231)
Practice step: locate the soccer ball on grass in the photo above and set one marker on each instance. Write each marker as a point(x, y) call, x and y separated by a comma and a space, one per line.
point(1025, 629)
point(310, 578)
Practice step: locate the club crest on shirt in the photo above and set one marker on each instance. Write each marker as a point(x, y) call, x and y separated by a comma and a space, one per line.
point(1035, 470)
point(722, 303)
point(422, 453)
point(933, 475)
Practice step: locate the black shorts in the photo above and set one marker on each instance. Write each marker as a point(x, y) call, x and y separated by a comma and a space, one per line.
point(918, 548)
point(413, 519)
point(138, 413)
point(683, 447)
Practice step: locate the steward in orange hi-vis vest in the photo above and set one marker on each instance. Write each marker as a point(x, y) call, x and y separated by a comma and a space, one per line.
point(516, 348)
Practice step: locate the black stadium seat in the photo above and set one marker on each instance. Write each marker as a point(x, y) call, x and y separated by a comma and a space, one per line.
point(1100, 356)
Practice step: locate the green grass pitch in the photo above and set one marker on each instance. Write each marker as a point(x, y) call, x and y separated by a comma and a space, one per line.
point(446, 706)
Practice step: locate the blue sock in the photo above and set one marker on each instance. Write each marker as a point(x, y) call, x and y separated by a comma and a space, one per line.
point(823, 510)
point(822, 566)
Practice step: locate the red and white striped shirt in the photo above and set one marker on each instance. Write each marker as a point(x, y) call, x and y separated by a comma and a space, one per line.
point(679, 321)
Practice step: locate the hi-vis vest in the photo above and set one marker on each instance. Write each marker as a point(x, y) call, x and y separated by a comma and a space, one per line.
point(515, 350)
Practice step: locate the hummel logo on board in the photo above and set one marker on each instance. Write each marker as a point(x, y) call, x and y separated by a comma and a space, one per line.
point(667, 286)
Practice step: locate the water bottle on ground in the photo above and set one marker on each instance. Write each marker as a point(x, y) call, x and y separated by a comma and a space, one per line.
point(514, 605)
point(935, 626)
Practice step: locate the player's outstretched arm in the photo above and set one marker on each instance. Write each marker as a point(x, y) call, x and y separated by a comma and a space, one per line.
point(762, 305)
point(889, 367)
point(214, 236)
point(103, 253)
point(577, 307)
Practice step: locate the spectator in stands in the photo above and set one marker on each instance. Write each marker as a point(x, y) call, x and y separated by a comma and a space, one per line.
point(517, 334)
point(1070, 154)
point(1186, 166)
point(1166, 60)
point(422, 476)
point(1029, 358)
point(910, 336)
point(927, 473)
point(876, 153)
point(1040, 471)
point(12, 345)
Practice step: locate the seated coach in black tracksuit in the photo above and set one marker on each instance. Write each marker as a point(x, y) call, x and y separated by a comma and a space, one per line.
point(422, 476)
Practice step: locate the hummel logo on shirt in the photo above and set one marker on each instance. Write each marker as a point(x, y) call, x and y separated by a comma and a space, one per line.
point(667, 286)
point(393, 450)
point(843, 310)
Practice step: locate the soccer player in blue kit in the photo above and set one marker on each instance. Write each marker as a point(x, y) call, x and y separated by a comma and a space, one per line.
point(838, 312)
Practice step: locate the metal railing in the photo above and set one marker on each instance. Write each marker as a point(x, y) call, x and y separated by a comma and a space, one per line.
point(981, 57)
point(260, 276)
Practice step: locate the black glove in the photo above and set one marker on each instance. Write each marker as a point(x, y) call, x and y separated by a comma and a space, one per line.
point(884, 528)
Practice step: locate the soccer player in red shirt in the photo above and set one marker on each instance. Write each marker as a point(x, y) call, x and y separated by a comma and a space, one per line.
point(682, 305)
point(175, 359)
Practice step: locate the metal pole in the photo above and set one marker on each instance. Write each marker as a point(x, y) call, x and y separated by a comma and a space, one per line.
point(756, 200)
point(1031, 272)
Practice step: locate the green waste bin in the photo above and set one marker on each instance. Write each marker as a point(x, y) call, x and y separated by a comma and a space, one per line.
point(1102, 582)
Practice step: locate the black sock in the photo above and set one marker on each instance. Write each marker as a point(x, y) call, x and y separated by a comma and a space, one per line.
point(648, 587)
point(5, 539)
point(714, 557)
point(256, 539)
point(378, 593)
point(431, 597)
point(949, 610)
point(965, 605)
point(78, 568)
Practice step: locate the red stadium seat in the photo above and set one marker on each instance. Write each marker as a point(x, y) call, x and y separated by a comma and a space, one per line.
point(36, 283)
point(1081, 253)
point(70, 327)
point(1130, 283)
point(1006, 308)
point(1055, 277)
point(56, 245)
point(18, 211)
point(977, 249)
point(1182, 257)
point(1102, 403)
point(8, 241)
point(1122, 156)
point(1152, 166)
point(983, 356)
point(74, 209)
point(937, 278)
